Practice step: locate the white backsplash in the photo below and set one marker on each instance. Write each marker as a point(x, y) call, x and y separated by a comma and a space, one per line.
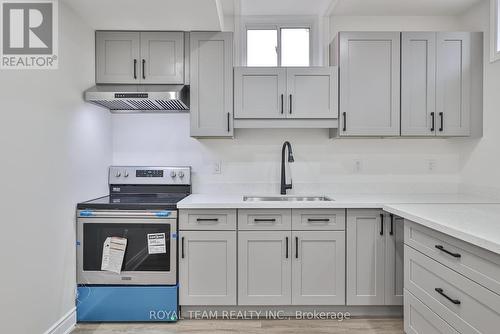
point(250, 163)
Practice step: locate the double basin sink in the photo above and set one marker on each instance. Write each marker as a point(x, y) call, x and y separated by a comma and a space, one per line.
point(286, 199)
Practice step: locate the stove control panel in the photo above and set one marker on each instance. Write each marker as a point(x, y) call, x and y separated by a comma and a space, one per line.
point(149, 175)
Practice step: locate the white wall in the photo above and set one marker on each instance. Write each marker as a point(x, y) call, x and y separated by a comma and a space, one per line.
point(481, 157)
point(250, 162)
point(55, 152)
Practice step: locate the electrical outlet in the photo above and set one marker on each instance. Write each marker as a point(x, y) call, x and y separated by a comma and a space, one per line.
point(358, 166)
point(217, 167)
point(431, 165)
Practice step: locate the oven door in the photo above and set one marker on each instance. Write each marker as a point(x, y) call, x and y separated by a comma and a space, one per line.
point(140, 266)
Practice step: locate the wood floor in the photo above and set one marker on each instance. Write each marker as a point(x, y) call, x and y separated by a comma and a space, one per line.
point(352, 326)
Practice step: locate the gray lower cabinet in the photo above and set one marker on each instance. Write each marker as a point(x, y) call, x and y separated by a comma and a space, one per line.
point(369, 65)
point(374, 258)
point(211, 79)
point(264, 268)
point(318, 268)
point(207, 265)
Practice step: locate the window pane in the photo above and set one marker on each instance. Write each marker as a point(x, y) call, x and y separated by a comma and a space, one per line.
point(261, 47)
point(295, 47)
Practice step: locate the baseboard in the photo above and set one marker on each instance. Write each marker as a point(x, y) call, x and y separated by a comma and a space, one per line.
point(65, 324)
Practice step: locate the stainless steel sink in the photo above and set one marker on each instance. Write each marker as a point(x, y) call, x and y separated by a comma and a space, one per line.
point(286, 199)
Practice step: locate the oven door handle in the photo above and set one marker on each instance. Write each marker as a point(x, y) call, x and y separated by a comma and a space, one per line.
point(126, 214)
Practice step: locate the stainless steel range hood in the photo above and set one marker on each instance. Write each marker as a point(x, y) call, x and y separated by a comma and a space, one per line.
point(140, 98)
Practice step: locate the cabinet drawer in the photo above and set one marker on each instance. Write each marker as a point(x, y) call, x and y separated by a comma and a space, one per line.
point(314, 219)
point(478, 264)
point(207, 219)
point(467, 306)
point(420, 319)
point(265, 219)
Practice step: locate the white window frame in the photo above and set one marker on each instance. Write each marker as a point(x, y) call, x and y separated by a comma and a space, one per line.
point(494, 30)
point(278, 23)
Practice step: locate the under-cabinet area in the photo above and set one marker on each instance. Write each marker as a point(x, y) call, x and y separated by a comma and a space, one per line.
point(290, 257)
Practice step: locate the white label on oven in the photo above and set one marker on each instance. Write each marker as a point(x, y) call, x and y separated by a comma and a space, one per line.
point(112, 254)
point(156, 243)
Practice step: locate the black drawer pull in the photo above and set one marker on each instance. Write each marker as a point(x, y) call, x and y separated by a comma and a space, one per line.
point(344, 126)
point(290, 104)
point(441, 127)
point(260, 220)
point(296, 247)
point(282, 103)
point(442, 249)
point(392, 225)
point(433, 119)
point(454, 301)
point(381, 224)
point(207, 219)
point(135, 68)
point(286, 256)
point(312, 220)
point(228, 122)
point(144, 68)
point(182, 247)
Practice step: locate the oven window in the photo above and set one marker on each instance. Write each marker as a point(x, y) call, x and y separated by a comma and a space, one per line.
point(137, 257)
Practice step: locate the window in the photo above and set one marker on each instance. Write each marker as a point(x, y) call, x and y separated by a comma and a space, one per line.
point(278, 46)
point(495, 30)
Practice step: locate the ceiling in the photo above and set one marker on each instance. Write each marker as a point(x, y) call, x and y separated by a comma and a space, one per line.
point(149, 14)
point(348, 7)
point(402, 7)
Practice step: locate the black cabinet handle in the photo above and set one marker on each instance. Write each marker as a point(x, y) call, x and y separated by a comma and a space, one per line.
point(296, 247)
point(326, 220)
point(433, 120)
point(442, 249)
point(269, 220)
point(228, 122)
point(392, 225)
point(144, 68)
point(381, 224)
point(290, 104)
point(182, 247)
point(207, 219)
point(282, 102)
point(441, 292)
point(286, 256)
point(441, 127)
point(344, 117)
point(135, 69)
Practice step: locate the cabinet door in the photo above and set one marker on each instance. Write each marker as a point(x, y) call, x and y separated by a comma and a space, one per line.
point(162, 57)
point(365, 257)
point(207, 265)
point(394, 271)
point(318, 269)
point(211, 84)
point(259, 92)
point(117, 57)
point(418, 84)
point(369, 83)
point(312, 92)
point(264, 268)
point(453, 83)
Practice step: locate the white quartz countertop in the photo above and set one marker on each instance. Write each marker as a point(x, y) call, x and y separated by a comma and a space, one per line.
point(347, 201)
point(478, 224)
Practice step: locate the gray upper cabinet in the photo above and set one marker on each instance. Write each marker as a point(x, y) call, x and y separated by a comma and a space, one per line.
point(286, 93)
point(162, 57)
point(318, 269)
point(369, 65)
point(211, 79)
point(453, 83)
point(259, 92)
point(207, 265)
point(117, 57)
point(312, 92)
point(264, 268)
point(418, 84)
point(365, 258)
point(139, 57)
